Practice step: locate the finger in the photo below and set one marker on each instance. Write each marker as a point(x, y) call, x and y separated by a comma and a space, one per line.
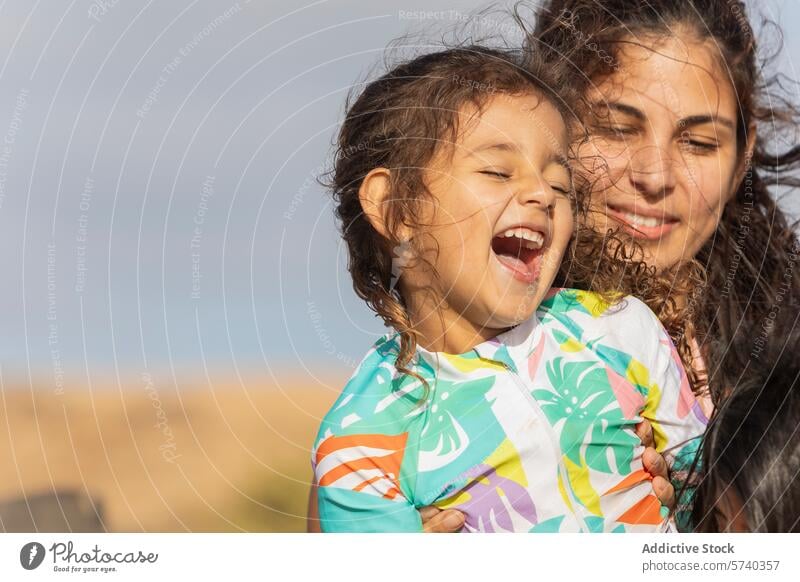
point(664, 491)
point(429, 512)
point(644, 430)
point(654, 463)
point(449, 521)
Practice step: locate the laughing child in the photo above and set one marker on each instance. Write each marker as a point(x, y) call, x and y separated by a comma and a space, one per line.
point(493, 394)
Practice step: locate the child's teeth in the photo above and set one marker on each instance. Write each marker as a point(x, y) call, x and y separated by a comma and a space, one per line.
point(533, 240)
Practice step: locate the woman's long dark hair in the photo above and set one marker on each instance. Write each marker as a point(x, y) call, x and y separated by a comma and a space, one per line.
point(751, 450)
point(751, 262)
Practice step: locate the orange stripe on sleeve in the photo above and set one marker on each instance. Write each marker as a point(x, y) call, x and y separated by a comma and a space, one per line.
point(388, 463)
point(631, 480)
point(647, 511)
point(378, 441)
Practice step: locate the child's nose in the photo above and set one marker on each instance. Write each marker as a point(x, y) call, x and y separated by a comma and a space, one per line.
point(536, 191)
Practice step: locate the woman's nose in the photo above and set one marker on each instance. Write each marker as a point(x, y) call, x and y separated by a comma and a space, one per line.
point(652, 171)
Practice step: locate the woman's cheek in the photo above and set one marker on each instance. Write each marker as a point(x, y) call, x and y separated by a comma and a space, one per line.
point(602, 163)
point(708, 201)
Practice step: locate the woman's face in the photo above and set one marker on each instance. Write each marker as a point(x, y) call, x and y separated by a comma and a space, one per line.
point(662, 154)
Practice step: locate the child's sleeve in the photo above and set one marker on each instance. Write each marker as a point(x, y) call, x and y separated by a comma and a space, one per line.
point(677, 419)
point(676, 416)
point(359, 490)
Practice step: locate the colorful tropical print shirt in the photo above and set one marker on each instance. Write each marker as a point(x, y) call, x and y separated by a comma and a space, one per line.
point(532, 431)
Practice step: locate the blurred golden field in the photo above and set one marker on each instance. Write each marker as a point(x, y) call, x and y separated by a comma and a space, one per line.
point(156, 458)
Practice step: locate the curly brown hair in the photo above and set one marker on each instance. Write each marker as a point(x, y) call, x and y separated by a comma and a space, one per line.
point(400, 120)
point(750, 261)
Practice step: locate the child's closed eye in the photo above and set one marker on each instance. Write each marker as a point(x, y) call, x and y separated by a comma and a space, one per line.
point(498, 174)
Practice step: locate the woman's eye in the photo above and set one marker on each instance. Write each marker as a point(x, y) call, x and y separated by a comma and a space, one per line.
point(699, 146)
point(561, 189)
point(620, 131)
point(499, 174)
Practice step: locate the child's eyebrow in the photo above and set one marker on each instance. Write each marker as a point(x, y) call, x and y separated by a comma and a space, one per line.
point(503, 146)
point(556, 157)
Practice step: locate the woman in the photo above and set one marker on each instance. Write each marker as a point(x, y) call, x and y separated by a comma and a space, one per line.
point(680, 126)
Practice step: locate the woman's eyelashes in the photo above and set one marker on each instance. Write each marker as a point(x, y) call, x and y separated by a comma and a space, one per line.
point(699, 145)
point(624, 132)
point(616, 131)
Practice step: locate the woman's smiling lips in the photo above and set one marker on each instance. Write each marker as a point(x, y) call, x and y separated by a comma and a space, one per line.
point(643, 223)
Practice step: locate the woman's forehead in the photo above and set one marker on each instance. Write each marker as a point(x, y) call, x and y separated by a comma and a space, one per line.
point(672, 76)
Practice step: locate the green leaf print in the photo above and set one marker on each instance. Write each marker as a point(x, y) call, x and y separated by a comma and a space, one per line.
point(459, 419)
point(582, 400)
point(377, 397)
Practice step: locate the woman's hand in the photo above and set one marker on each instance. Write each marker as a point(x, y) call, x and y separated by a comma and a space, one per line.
point(655, 464)
point(434, 520)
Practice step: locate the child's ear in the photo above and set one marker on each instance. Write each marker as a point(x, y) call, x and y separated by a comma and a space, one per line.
point(374, 195)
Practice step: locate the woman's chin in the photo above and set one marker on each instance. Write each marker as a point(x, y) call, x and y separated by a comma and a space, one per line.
point(664, 259)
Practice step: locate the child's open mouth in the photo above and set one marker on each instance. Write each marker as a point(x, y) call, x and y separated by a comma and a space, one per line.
point(520, 251)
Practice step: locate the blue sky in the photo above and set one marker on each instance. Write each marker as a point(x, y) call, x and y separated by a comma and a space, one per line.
point(158, 208)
